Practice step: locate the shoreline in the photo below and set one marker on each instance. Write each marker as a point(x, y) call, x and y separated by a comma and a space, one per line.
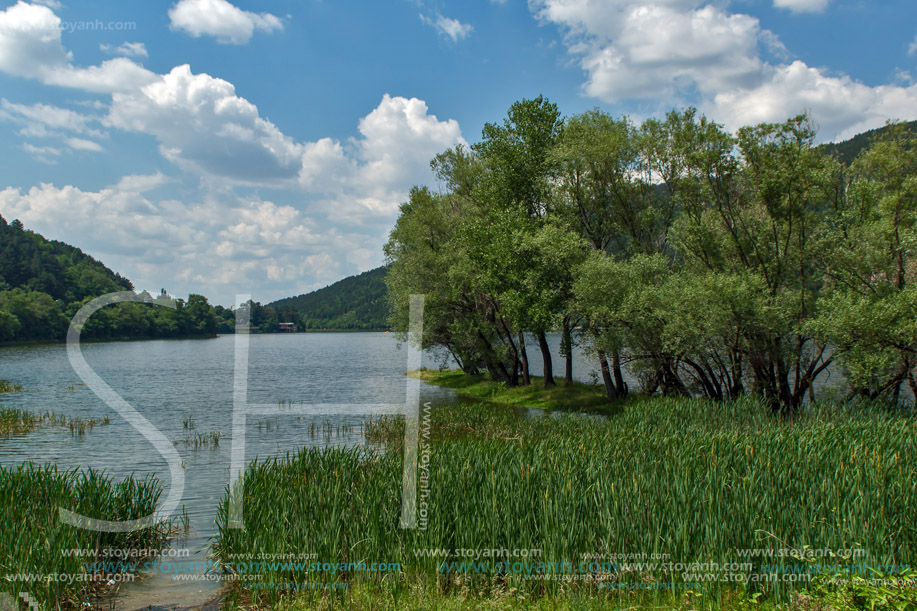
point(578, 397)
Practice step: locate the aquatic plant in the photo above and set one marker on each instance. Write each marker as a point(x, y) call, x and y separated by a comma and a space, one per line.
point(201, 440)
point(7, 386)
point(35, 541)
point(683, 479)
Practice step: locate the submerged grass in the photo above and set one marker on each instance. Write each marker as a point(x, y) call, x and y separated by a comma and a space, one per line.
point(81, 426)
point(576, 397)
point(201, 440)
point(14, 421)
point(7, 386)
point(52, 561)
point(676, 480)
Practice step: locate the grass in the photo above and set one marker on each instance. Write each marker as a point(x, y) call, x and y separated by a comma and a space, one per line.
point(14, 421)
point(576, 397)
point(34, 542)
point(424, 596)
point(202, 440)
point(81, 426)
point(7, 386)
point(690, 480)
point(37, 550)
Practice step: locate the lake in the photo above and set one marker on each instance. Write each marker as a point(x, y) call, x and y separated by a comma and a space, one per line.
point(172, 381)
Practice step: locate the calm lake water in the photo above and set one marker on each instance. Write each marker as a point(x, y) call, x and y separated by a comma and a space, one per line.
point(169, 381)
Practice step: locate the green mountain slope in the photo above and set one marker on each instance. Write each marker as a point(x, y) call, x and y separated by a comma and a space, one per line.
point(847, 151)
point(44, 282)
point(30, 262)
point(357, 303)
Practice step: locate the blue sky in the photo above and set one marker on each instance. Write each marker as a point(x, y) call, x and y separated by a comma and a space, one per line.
point(216, 147)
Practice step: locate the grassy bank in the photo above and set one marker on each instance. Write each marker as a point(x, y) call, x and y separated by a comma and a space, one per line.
point(577, 396)
point(677, 481)
point(50, 560)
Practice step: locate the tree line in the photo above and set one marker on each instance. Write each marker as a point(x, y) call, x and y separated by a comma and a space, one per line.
point(707, 263)
point(43, 283)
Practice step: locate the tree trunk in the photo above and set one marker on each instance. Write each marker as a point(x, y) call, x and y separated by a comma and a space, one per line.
point(568, 353)
point(619, 377)
point(512, 345)
point(494, 364)
point(524, 357)
point(546, 358)
point(610, 389)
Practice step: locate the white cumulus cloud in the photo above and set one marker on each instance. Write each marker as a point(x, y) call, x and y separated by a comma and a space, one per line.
point(214, 247)
point(218, 18)
point(685, 51)
point(447, 27)
point(200, 122)
point(30, 47)
point(81, 144)
point(841, 106)
point(369, 176)
point(803, 6)
point(128, 49)
point(42, 120)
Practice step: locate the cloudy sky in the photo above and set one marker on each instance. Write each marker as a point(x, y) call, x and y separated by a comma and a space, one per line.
point(264, 147)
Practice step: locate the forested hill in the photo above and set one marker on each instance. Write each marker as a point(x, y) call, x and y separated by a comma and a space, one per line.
point(358, 303)
point(847, 151)
point(43, 283)
point(30, 262)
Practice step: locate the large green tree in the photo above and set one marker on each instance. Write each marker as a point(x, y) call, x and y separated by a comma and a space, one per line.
point(869, 253)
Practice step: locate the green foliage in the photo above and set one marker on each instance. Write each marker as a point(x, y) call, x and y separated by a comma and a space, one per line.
point(31, 263)
point(723, 264)
point(869, 254)
point(355, 303)
point(44, 283)
point(848, 150)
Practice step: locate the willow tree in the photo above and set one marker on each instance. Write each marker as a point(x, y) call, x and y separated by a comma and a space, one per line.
point(751, 208)
point(870, 256)
point(426, 257)
point(516, 186)
point(616, 184)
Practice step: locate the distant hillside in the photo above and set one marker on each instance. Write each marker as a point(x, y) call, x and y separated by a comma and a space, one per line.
point(354, 303)
point(30, 262)
point(44, 282)
point(848, 150)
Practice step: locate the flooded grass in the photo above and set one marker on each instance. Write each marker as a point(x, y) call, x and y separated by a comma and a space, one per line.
point(54, 562)
point(16, 421)
point(680, 479)
point(81, 426)
point(199, 441)
point(7, 386)
point(13, 421)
